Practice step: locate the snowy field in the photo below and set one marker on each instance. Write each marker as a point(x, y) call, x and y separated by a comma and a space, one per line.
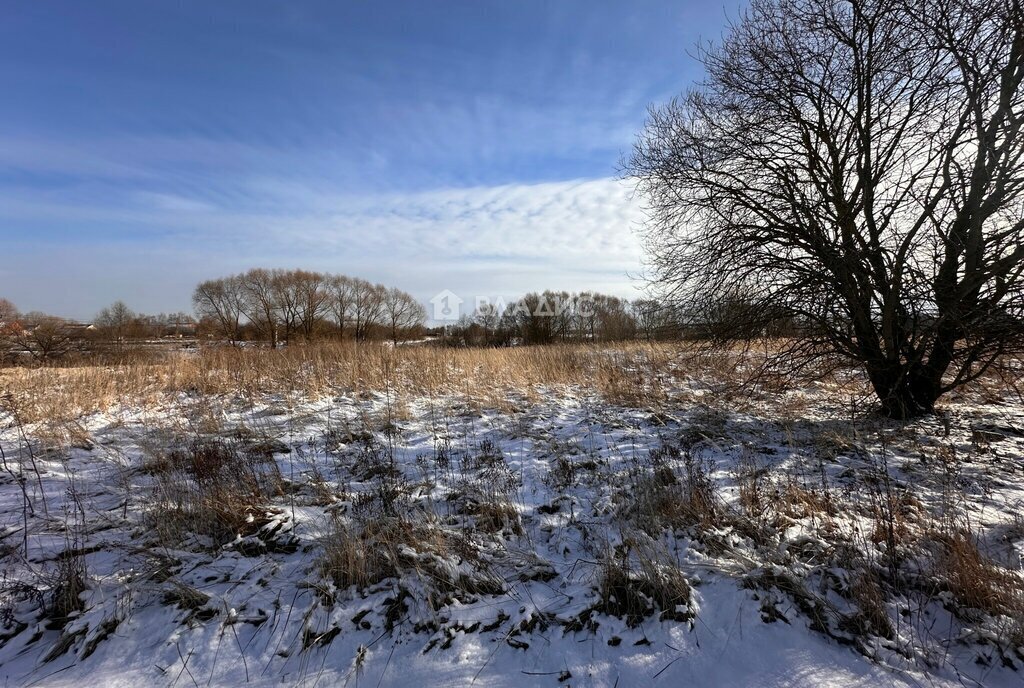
point(557, 536)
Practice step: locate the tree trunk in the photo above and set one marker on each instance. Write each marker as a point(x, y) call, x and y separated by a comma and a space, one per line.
point(906, 390)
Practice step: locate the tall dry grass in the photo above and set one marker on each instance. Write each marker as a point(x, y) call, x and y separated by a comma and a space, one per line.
point(630, 374)
point(640, 374)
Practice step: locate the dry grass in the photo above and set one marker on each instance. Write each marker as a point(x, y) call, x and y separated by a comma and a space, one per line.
point(67, 583)
point(977, 582)
point(871, 618)
point(632, 374)
point(639, 578)
point(443, 562)
point(352, 557)
point(659, 498)
point(213, 489)
point(649, 375)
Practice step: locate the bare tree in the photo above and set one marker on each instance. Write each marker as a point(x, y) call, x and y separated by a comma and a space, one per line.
point(488, 318)
point(220, 301)
point(617, 321)
point(855, 166)
point(260, 291)
point(9, 326)
point(402, 312)
point(278, 304)
point(8, 312)
point(648, 316)
point(340, 301)
point(603, 318)
point(367, 306)
point(45, 337)
point(313, 298)
point(536, 318)
point(115, 322)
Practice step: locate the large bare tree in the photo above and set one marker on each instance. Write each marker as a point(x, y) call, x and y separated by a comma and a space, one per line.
point(261, 302)
point(366, 307)
point(220, 301)
point(854, 166)
point(402, 312)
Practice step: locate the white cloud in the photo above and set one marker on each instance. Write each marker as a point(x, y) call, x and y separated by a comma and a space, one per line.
point(590, 218)
point(491, 241)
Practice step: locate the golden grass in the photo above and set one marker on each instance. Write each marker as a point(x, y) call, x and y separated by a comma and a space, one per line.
point(630, 374)
point(978, 582)
point(638, 374)
point(389, 547)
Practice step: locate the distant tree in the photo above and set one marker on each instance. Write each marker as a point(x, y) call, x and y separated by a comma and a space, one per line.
point(488, 318)
point(646, 313)
point(340, 290)
point(8, 327)
point(261, 302)
point(313, 298)
point(604, 318)
point(857, 167)
point(8, 312)
point(287, 301)
point(219, 301)
point(115, 322)
point(402, 312)
point(560, 309)
point(173, 324)
point(45, 337)
point(465, 332)
point(277, 305)
point(367, 307)
point(530, 318)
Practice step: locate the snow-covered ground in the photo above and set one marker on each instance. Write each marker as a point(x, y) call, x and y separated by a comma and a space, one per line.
point(559, 541)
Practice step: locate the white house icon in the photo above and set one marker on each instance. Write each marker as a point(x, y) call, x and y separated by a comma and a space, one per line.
point(447, 305)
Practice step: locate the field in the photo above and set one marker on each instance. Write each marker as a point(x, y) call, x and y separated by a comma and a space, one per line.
point(565, 515)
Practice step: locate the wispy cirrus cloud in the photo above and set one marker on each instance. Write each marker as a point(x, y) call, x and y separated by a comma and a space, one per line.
point(470, 147)
point(501, 240)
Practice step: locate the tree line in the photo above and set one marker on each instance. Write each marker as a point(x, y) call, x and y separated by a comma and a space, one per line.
point(551, 317)
point(281, 306)
point(277, 306)
point(38, 336)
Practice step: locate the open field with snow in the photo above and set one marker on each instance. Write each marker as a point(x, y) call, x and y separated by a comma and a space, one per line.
point(534, 516)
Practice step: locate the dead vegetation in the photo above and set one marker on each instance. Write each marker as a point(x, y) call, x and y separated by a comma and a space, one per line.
point(634, 374)
point(218, 490)
point(810, 517)
point(977, 583)
point(861, 558)
point(389, 532)
point(639, 578)
point(444, 562)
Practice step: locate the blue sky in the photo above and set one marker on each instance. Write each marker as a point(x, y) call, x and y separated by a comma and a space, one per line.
point(471, 146)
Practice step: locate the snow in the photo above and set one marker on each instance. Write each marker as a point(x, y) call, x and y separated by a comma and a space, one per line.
point(564, 462)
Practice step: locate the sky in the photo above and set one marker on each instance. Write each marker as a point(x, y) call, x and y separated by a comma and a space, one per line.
point(473, 146)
